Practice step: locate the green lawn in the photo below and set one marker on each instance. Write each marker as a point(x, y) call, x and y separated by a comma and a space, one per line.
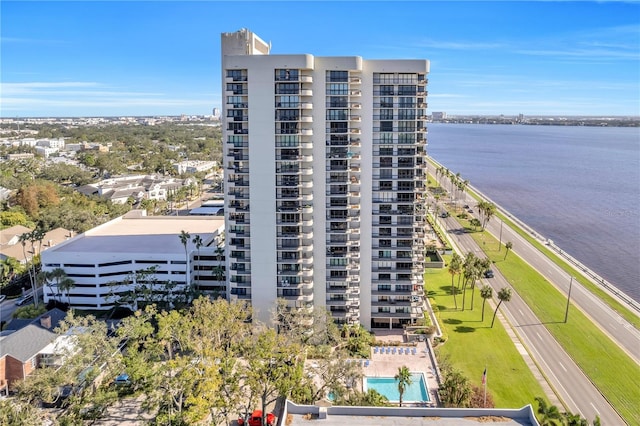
point(471, 345)
point(614, 373)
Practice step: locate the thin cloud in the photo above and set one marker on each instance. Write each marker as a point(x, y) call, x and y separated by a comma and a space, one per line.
point(461, 45)
point(36, 87)
point(20, 40)
point(446, 95)
point(585, 53)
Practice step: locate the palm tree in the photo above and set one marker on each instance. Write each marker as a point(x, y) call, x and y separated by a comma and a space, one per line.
point(486, 292)
point(504, 295)
point(508, 246)
point(184, 239)
point(29, 236)
point(550, 415)
point(404, 380)
point(455, 267)
point(574, 419)
point(469, 274)
point(65, 285)
point(197, 240)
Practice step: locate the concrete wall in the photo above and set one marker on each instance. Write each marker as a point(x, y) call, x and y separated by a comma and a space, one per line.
point(524, 414)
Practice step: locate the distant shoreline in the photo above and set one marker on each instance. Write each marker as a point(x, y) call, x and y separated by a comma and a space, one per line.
point(435, 117)
point(544, 121)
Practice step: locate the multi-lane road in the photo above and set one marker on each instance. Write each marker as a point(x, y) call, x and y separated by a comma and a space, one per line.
point(571, 385)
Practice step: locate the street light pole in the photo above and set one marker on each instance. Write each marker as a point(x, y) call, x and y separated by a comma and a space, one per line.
point(500, 243)
point(566, 313)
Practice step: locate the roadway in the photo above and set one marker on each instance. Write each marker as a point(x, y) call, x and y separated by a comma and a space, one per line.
point(572, 386)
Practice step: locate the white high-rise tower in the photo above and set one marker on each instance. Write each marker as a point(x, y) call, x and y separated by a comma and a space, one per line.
point(325, 175)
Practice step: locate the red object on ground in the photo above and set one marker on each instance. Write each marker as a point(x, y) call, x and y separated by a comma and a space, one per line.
point(256, 419)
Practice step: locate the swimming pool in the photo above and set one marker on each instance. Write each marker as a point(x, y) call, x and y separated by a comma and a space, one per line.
point(388, 386)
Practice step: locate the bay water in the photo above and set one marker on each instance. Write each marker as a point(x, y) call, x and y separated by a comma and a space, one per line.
point(578, 186)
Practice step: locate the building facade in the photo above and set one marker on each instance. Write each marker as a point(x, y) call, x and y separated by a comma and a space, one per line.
point(135, 258)
point(325, 170)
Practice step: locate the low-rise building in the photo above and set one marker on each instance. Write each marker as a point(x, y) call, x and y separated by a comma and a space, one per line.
point(191, 166)
point(28, 344)
point(115, 259)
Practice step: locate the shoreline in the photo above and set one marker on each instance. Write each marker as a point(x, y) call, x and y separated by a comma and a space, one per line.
point(578, 266)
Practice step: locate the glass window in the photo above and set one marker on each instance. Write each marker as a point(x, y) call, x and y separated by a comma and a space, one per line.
point(337, 114)
point(338, 102)
point(338, 75)
point(287, 101)
point(386, 102)
point(287, 88)
point(286, 74)
point(386, 114)
point(337, 89)
point(386, 91)
point(407, 90)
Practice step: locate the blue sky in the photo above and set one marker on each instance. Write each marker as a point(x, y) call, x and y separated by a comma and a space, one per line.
point(88, 58)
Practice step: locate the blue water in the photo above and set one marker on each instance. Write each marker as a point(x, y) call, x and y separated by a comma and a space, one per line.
point(578, 186)
point(388, 386)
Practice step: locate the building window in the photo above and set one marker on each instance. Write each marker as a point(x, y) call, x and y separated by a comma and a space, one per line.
point(286, 75)
point(386, 114)
point(386, 102)
point(337, 114)
point(338, 76)
point(287, 88)
point(337, 89)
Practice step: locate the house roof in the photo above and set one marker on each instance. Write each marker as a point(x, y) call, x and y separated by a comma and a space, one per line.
point(27, 341)
point(10, 233)
point(17, 251)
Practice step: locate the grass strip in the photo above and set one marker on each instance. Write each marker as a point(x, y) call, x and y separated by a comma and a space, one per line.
point(472, 345)
point(610, 369)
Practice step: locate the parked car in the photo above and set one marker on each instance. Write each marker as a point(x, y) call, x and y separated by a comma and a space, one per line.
point(24, 300)
point(466, 206)
point(256, 419)
point(122, 379)
point(488, 273)
point(444, 215)
point(470, 211)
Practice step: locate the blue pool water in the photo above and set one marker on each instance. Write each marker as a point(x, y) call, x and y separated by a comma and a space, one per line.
point(388, 386)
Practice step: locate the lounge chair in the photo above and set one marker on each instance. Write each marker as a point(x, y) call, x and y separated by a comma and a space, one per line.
point(375, 350)
point(393, 351)
point(414, 351)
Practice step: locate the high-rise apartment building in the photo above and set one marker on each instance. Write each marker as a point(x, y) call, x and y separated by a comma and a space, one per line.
point(325, 175)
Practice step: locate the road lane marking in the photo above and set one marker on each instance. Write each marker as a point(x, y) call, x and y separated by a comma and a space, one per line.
point(521, 313)
point(565, 370)
point(594, 407)
point(539, 336)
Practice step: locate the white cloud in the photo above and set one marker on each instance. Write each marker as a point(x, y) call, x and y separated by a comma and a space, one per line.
point(93, 98)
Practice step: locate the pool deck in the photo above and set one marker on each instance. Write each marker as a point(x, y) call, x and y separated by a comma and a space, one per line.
point(383, 364)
